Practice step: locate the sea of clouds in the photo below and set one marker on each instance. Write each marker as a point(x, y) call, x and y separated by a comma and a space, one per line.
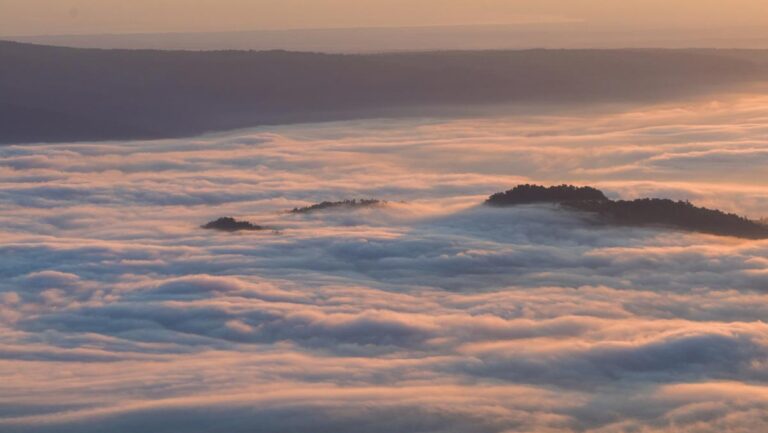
point(430, 314)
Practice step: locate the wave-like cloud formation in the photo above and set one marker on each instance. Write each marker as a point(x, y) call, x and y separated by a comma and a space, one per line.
point(430, 314)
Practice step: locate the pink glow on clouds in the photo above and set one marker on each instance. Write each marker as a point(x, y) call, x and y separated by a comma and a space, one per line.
point(116, 311)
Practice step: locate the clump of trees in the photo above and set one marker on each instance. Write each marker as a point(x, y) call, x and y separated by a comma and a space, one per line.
point(355, 203)
point(529, 194)
point(646, 211)
point(228, 224)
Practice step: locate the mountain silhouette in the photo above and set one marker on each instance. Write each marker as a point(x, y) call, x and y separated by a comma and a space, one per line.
point(641, 212)
point(70, 94)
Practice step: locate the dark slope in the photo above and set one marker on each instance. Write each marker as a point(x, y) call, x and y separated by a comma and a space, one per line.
point(335, 205)
point(678, 214)
point(641, 212)
point(62, 94)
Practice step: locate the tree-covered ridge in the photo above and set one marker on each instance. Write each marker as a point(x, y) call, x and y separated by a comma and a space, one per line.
point(529, 194)
point(681, 214)
point(355, 203)
point(56, 94)
point(647, 211)
point(228, 224)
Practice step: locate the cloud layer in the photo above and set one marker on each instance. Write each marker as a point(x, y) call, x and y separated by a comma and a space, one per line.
point(432, 314)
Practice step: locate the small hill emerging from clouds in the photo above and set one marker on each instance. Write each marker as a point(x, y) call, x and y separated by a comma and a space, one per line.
point(328, 205)
point(528, 194)
point(227, 224)
point(641, 212)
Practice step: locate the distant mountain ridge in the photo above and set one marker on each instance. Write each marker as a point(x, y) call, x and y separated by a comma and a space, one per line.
point(68, 94)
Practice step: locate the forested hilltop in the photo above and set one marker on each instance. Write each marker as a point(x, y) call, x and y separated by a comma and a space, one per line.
point(68, 94)
point(647, 211)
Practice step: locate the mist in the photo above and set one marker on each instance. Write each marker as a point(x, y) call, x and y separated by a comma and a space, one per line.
point(383, 216)
point(430, 311)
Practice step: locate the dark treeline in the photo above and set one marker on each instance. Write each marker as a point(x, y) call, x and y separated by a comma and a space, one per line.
point(355, 203)
point(528, 194)
point(66, 94)
point(647, 211)
point(228, 224)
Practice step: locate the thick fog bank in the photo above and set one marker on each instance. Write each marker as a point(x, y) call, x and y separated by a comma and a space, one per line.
point(428, 314)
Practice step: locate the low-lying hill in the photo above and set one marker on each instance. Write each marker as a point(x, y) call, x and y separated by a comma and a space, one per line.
point(680, 214)
point(66, 94)
point(647, 211)
point(528, 194)
point(344, 204)
point(229, 224)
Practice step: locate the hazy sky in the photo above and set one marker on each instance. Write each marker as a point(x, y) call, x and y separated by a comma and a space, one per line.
point(29, 17)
